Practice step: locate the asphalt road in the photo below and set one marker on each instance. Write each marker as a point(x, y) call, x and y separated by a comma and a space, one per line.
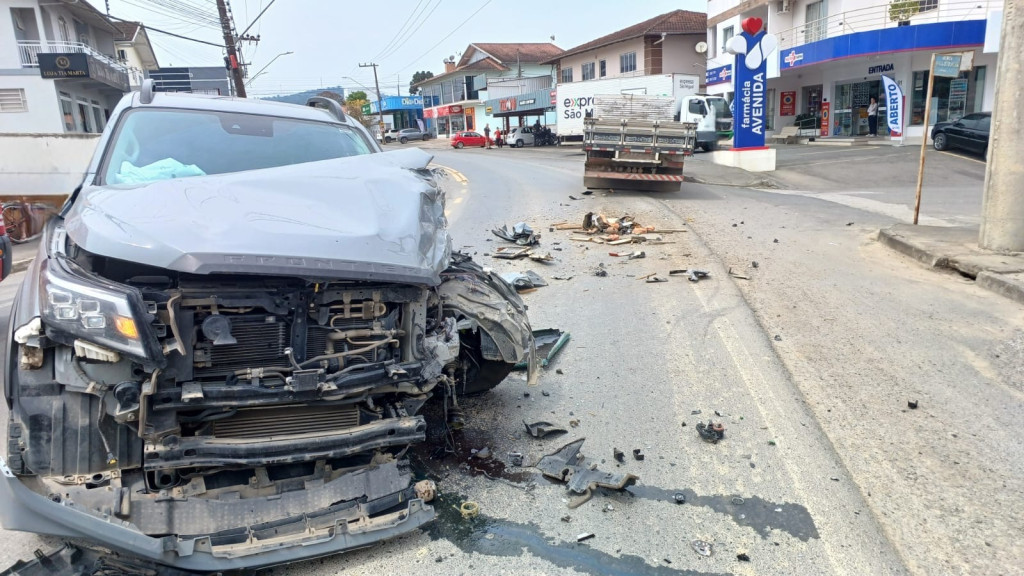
point(824, 469)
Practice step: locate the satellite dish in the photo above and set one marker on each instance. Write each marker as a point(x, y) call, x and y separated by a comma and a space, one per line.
point(452, 57)
point(552, 37)
point(701, 47)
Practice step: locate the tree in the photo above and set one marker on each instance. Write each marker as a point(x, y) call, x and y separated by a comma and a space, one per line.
point(357, 95)
point(417, 78)
point(902, 10)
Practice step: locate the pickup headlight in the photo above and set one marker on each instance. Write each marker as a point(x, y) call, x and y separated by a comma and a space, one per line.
point(98, 311)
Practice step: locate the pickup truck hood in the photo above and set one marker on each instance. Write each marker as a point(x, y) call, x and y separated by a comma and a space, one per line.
point(372, 217)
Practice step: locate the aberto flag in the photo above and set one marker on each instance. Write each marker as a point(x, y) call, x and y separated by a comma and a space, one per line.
point(893, 105)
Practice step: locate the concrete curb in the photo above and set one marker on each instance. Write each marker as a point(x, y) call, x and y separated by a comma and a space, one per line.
point(21, 265)
point(1008, 285)
point(903, 246)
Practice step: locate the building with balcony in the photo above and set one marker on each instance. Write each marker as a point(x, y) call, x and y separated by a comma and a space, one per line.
point(454, 99)
point(832, 53)
point(135, 51)
point(59, 67)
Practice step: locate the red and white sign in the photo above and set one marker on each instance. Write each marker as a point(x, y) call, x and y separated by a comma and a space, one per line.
point(508, 104)
point(824, 118)
point(787, 106)
point(428, 112)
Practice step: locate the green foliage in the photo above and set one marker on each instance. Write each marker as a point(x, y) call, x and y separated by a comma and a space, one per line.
point(357, 95)
point(902, 10)
point(417, 78)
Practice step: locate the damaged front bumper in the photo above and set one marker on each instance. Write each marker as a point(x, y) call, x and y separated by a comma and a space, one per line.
point(352, 511)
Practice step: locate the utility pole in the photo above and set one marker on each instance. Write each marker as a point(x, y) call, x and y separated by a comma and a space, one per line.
point(1002, 208)
point(380, 100)
point(229, 42)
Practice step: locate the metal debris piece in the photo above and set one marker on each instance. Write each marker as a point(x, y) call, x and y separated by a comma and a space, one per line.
point(742, 557)
point(543, 429)
point(701, 547)
point(738, 500)
point(711, 432)
point(738, 275)
point(637, 255)
point(515, 458)
point(566, 518)
point(509, 252)
point(483, 453)
point(568, 465)
point(425, 490)
point(638, 454)
point(469, 509)
point(522, 234)
point(608, 508)
point(912, 404)
point(584, 536)
point(655, 280)
point(544, 258)
point(679, 497)
point(619, 455)
point(524, 280)
point(561, 277)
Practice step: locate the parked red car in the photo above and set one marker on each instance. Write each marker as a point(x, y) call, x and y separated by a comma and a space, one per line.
point(463, 139)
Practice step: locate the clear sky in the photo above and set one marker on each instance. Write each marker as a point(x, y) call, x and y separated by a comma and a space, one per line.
point(330, 38)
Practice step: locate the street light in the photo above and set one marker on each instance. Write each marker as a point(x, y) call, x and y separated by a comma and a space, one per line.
point(256, 75)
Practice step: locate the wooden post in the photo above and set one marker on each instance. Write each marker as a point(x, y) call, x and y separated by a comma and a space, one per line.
point(924, 139)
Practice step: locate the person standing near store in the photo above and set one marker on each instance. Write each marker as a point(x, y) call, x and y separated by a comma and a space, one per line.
point(487, 135)
point(873, 118)
point(497, 137)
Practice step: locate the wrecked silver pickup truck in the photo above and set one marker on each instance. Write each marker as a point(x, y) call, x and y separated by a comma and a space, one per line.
point(218, 357)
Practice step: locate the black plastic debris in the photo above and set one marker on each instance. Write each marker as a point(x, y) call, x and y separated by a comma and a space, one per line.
point(679, 497)
point(742, 557)
point(521, 234)
point(600, 272)
point(638, 454)
point(543, 429)
point(701, 547)
point(549, 342)
point(524, 280)
point(754, 264)
point(585, 536)
point(711, 432)
point(619, 455)
point(912, 404)
point(778, 338)
point(655, 280)
point(693, 274)
point(566, 518)
point(568, 465)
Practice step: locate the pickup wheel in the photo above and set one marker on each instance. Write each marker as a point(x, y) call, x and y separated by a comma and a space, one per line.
point(939, 142)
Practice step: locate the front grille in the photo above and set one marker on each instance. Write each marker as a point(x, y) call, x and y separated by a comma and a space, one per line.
point(291, 421)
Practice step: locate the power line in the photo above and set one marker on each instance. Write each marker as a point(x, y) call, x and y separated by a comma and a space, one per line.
point(399, 32)
point(150, 28)
point(413, 33)
point(449, 35)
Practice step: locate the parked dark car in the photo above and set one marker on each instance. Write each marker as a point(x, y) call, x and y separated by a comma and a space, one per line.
point(406, 134)
point(968, 133)
point(219, 355)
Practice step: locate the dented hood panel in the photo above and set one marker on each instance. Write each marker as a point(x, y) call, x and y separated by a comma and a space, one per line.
point(373, 217)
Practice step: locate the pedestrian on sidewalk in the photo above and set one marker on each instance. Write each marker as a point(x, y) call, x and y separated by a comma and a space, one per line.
point(487, 135)
point(497, 137)
point(873, 118)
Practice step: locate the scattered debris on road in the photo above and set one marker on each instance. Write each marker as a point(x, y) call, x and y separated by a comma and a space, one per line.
point(742, 557)
point(701, 547)
point(521, 234)
point(544, 258)
point(912, 404)
point(619, 455)
point(524, 280)
point(568, 465)
point(679, 497)
point(566, 518)
point(584, 536)
point(574, 423)
point(711, 432)
point(754, 264)
point(655, 279)
point(600, 272)
point(425, 490)
point(482, 454)
point(515, 458)
point(778, 338)
point(509, 253)
point(468, 509)
point(543, 429)
point(693, 274)
point(737, 275)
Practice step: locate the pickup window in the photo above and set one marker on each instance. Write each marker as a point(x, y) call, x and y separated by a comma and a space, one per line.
point(157, 144)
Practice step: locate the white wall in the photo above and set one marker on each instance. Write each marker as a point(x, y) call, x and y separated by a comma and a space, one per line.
point(37, 164)
point(610, 54)
point(43, 114)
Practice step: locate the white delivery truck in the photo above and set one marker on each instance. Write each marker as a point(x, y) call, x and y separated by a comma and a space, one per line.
point(575, 101)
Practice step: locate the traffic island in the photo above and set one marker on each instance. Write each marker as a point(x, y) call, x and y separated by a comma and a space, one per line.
point(751, 160)
point(956, 248)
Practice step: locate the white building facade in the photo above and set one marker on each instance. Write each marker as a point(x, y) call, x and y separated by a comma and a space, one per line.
point(832, 54)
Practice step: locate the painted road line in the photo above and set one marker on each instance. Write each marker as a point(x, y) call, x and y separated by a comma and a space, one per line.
point(455, 174)
point(962, 157)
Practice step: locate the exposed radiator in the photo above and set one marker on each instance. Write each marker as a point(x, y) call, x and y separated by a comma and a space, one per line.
point(291, 421)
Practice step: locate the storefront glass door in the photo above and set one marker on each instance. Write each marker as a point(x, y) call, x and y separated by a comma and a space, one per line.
point(850, 117)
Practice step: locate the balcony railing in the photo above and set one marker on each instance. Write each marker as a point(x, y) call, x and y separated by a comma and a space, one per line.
point(29, 51)
point(877, 17)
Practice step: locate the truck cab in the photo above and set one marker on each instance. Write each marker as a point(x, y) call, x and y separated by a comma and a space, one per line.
point(712, 116)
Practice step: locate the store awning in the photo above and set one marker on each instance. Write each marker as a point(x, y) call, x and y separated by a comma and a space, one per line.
point(528, 104)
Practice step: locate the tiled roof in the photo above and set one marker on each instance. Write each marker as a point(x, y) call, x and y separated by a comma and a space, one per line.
point(526, 52)
point(480, 65)
point(127, 30)
point(675, 22)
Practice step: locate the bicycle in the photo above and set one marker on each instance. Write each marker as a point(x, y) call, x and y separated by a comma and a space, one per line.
point(25, 225)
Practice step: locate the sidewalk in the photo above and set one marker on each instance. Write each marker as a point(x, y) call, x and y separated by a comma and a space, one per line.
point(956, 248)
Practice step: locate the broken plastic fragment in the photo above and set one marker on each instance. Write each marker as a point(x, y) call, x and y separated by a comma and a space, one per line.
point(701, 547)
point(711, 432)
point(542, 429)
point(568, 465)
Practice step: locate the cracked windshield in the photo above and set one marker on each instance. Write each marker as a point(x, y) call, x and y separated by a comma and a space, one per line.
point(673, 287)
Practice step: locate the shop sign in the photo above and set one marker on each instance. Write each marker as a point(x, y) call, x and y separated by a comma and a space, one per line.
point(58, 66)
point(787, 105)
point(719, 75)
point(429, 112)
point(554, 97)
point(881, 69)
point(455, 109)
point(752, 48)
point(825, 118)
point(489, 110)
point(792, 58)
point(507, 104)
point(366, 109)
point(947, 65)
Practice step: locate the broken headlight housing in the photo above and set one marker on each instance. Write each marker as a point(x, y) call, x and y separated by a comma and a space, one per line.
point(93, 309)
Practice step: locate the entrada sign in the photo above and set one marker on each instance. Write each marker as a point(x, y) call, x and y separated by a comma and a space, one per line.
point(881, 69)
